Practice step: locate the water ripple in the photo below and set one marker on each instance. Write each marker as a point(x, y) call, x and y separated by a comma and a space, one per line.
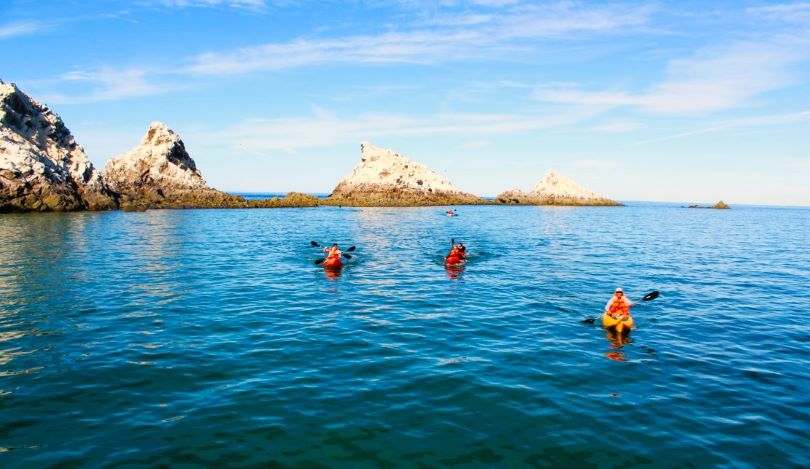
point(209, 337)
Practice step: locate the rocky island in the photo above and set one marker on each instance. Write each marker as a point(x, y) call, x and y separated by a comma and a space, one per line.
point(554, 189)
point(42, 168)
point(384, 178)
point(719, 205)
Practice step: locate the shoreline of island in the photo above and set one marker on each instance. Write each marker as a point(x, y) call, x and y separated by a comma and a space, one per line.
point(44, 169)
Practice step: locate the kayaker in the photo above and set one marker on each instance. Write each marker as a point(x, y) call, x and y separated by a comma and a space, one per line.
point(334, 253)
point(458, 251)
point(619, 305)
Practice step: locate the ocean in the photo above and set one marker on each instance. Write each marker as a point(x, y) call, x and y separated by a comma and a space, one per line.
point(210, 337)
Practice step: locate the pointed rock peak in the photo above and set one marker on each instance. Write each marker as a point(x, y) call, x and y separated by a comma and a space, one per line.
point(158, 134)
point(557, 184)
point(386, 178)
point(44, 167)
point(380, 167)
point(159, 162)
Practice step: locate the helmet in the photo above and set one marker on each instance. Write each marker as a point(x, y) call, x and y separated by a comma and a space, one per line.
point(619, 290)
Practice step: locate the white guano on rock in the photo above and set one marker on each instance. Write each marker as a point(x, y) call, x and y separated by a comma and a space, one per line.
point(42, 168)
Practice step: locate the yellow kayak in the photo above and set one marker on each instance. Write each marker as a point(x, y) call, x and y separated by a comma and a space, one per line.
point(617, 324)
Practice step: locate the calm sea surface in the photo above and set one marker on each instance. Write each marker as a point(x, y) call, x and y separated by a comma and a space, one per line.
point(210, 337)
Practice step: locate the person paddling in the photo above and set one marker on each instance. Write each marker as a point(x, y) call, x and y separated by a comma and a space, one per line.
point(333, 256)
point(618, 305)
point(457, 254)
point(617, 312)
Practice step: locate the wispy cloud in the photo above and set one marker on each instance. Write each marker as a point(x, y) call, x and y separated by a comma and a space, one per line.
point(21, 28)
point(785, 12)
point(617, 126)
point(713, 80)
point(246, 5)
point(488, 37)
point(109, 85)
point(323, 128)
point(494, 38)
point(757, 121)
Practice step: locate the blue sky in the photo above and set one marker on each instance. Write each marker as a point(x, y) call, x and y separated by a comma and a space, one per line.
point(665, 101)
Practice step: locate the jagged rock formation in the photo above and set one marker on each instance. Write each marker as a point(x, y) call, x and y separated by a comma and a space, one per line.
point(386, 178)
point(42, 168)
point(159, 173)
point(554, 189)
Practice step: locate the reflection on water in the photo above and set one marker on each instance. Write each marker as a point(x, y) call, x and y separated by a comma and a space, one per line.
point(617, 342)
point(453, 271)
point(333, 273)
point(210, 336)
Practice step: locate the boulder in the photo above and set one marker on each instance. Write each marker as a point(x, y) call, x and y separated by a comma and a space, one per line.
point(386, 178)
point(42, 168)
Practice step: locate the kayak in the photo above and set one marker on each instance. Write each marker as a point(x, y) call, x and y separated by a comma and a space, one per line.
point(333, 262)
point(453, 260)
point(617, 324)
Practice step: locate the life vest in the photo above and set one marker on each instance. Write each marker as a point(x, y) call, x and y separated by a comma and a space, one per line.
point(619, 306)
point(333, 254)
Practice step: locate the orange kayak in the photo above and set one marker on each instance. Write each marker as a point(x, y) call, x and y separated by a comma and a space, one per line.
point(453, 260)
point(333, 262)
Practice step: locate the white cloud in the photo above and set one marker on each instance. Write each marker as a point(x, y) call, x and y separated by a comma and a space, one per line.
point(757, 121)
point(109, 85)
point(495, 38)
point(712, 80)
point(593, 164)
point(786, 12)
point(617, 126)
point(484, 37)
point(20, 28)
point(248, 5)
point(323, 128)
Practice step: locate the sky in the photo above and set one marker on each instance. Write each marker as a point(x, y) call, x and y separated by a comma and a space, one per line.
point(680, 101)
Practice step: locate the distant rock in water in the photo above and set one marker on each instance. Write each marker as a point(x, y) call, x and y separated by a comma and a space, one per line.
point(719, 205)
point(386, 178)
point(159, 173)
point(42, 168)
point(554, 189)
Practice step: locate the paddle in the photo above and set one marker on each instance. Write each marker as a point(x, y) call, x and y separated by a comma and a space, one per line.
point(316, 245)
point(648, 297)
point(320, 261)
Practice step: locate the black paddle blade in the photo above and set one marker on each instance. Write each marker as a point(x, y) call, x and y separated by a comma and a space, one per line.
point(650, 296)
point(347, 256)
point(352, 248)
point(589, 321)
point(319, 261)
point(314, 244)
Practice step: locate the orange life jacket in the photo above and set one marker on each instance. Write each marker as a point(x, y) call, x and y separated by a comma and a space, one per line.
point(333, 253)
point(619, 306)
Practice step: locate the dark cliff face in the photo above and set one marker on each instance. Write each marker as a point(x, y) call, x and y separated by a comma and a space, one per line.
point(42, 168)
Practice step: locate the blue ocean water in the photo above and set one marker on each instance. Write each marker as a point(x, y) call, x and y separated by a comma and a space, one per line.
point(209, 337)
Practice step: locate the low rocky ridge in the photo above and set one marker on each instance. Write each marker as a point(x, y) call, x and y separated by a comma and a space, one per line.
point(42, 168)
point(719, 205)
point(555, 189)
point(384, 178)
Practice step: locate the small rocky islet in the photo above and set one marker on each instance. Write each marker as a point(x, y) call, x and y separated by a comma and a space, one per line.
point(43, 168)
